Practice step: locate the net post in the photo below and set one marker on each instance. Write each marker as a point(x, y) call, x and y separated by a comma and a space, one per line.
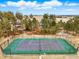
point(10, 51)
point(78, 47)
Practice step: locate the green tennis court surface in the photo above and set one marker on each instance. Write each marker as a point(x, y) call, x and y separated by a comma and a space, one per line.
point(39, 46)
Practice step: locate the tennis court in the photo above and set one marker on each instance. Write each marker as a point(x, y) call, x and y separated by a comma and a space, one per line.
point(39, 46)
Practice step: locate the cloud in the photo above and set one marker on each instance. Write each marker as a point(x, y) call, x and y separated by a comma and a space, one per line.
point(10, 3)
point(21, 3)
point(21, 8)
point(52, 3)
point(71, 4)
point(43, 7)
point(28, 4)
point(70, 10)
point(2, 5)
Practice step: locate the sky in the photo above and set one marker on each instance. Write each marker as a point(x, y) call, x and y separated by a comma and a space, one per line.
point(40, 7)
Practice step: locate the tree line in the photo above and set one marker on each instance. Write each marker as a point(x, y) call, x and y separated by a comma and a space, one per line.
point(48, 24)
